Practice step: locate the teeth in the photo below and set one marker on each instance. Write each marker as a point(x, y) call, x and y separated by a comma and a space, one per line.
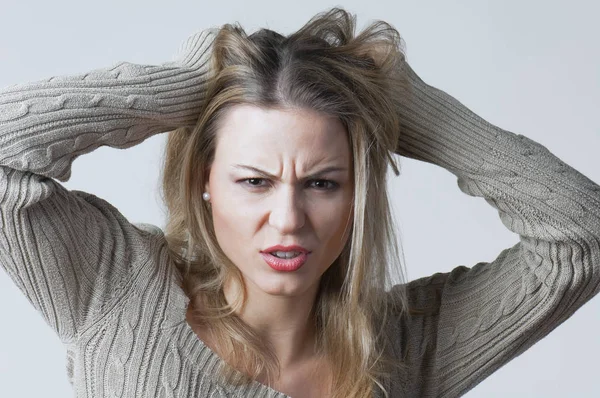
point(285, 254)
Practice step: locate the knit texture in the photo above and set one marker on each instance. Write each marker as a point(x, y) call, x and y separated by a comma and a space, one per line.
point(108, 290)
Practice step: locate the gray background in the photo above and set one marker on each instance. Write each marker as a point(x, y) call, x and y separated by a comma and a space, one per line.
point(531, 67)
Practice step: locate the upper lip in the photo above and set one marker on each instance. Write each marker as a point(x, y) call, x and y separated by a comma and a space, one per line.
point(292, 248)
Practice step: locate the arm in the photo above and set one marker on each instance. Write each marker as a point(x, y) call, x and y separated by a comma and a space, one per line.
point(486, 315)
point(71, 253)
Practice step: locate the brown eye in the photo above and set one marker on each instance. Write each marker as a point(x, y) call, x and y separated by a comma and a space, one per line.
point(320, 185)
point(253, 182)
point(323, 185)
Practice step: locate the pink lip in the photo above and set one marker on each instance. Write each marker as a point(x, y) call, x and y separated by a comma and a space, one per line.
point(286, 265)
point(292, 248)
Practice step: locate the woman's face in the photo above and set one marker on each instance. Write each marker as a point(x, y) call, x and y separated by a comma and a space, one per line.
point(296, 206)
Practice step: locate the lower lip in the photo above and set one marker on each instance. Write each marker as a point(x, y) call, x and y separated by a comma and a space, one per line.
point(283, 264)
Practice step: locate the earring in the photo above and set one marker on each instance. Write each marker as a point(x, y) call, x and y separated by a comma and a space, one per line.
point(206, 196)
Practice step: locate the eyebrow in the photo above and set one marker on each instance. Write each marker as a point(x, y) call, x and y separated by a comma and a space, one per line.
point(271, 176)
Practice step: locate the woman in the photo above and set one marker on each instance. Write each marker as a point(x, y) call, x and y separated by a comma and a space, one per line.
point(204, 308)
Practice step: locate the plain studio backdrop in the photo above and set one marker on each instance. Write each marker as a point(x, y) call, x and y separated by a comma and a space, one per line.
point(530, 67)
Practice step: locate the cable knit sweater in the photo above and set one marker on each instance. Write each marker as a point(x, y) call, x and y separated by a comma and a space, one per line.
point(106, 287)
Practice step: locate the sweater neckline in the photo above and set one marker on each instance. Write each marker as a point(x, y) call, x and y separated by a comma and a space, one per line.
point(196, 349)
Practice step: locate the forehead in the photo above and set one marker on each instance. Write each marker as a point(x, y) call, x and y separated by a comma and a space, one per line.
point(245, 129)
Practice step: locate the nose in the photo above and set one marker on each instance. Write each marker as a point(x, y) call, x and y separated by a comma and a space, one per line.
point(287, 214)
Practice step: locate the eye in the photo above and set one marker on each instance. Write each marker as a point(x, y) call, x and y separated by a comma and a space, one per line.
point(322, 185)
point(250, 180)
point(332, 185)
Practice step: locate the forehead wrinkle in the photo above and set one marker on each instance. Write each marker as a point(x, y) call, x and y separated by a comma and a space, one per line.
point(315, 141)
point(309, 162)
point(316, 174)
point(310, 165)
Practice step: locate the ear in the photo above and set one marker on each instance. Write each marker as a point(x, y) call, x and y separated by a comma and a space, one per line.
point(206, 179)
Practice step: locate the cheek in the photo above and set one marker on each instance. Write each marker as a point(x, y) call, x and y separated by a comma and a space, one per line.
point(227, 214)
point(231, 224)
point(334, 226)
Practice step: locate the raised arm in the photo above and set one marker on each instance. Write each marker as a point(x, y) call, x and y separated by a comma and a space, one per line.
point(488, 314)
point(71, 253)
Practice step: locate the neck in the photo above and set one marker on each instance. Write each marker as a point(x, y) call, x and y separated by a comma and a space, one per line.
point(287, 323)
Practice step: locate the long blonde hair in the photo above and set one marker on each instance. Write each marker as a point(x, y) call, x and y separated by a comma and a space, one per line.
point(323, 66)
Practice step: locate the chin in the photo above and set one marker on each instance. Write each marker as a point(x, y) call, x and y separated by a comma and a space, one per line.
point(285, 285)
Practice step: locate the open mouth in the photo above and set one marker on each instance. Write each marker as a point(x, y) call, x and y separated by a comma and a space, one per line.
point(285, 255)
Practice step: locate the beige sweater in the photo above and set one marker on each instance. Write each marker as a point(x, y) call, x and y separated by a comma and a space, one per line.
point(106, 287)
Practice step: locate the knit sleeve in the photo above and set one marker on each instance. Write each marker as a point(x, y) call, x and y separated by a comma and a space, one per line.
point(71, 253)
point(488, 314)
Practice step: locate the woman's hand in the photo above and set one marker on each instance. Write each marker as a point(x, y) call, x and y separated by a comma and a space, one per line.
point(414, 109)
point(191, 53)
point(437, 128)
